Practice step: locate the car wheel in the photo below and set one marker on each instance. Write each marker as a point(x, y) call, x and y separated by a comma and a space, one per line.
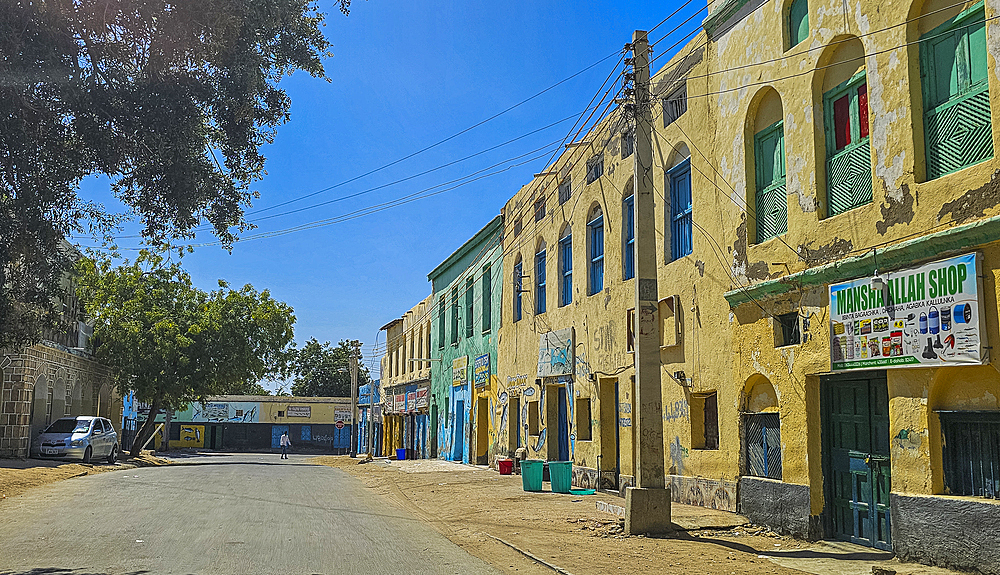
point(113, 456)
point(87, 454)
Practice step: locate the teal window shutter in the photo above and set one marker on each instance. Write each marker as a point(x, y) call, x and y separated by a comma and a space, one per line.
point(957, 123)
point(849, 157)
point(771, 202)
point(798, 22)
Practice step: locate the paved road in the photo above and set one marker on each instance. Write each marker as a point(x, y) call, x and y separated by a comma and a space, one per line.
point(225, 514)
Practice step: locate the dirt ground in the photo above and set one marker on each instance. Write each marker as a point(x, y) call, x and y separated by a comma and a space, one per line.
point(491, 517)
point(19, 475)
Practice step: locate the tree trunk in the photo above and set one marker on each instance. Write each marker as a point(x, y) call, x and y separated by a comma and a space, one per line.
point(146, 431)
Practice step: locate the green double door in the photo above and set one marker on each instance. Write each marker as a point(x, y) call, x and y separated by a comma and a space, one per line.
point(856, 457)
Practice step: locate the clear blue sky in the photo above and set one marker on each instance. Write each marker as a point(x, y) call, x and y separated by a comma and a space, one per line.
point(405, 75)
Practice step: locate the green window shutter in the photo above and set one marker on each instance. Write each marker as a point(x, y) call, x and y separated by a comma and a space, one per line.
point(798, 22)
point(849, 176)
point(849, 169)
point(771, 203)
point(957, 120)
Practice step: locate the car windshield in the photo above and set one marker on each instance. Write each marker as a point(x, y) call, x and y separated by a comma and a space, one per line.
point(69, 426)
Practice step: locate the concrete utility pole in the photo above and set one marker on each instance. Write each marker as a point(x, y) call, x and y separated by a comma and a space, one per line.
point(647, 506)
point(354, 397)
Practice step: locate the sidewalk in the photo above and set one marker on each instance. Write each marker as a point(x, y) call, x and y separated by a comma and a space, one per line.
point(493, 518)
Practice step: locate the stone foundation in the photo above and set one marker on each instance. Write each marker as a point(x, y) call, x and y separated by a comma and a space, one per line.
point(781, 506)
point(953, 532)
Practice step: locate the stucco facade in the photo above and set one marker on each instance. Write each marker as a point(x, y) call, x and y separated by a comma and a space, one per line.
point(466, 318)
point(406, 383)
point(814, 154)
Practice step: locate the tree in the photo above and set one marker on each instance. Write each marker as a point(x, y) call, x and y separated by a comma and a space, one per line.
point(321, 370)
point(172, 343)
point(171, 101)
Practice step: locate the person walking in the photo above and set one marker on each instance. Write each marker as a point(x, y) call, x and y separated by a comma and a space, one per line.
point(285, 444)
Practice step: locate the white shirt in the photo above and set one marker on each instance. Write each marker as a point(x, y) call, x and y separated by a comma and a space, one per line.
point(285, 441)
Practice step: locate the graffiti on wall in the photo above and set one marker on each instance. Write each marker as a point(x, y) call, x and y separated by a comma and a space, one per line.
point(225, 412)
point(678, 453)
point(676, 411)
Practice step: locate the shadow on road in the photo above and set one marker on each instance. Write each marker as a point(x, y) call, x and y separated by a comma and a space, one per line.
point(58, 571)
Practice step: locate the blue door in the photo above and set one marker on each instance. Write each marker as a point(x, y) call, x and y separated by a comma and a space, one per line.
point(458, 446)
point(276, 432)
point(563, 426)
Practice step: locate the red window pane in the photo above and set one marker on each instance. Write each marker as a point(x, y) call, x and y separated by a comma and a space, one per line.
point(863, 109)
point(842, 121)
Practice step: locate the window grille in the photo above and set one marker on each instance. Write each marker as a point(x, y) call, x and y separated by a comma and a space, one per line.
point(762, 444)
point(565, 191)
point(971, 452)
point(675, 105)
point(595, 168)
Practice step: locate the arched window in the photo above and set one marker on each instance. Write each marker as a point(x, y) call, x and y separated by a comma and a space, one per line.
point(518, 273)
point(595, 239)
point(566, 267)
point(798, 22)
point(540, 278)
point(761, 429)
point(628, 237)
point(679, 210)
point(845, 116)
point(956, 92)
point(770, 199)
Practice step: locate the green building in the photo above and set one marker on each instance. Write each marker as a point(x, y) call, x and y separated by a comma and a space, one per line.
point(466, 299)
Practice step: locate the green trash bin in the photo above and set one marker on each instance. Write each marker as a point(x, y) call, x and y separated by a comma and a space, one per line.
point(531, 474)
point(561, 474)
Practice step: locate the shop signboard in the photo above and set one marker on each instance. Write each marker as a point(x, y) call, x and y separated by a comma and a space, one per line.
point(411, 400)
point(481, 370)
point(555, 353)
point(460, 370)
point(342, 414)
point(299, 411)
point(927, 316)
point(399, 405)
point(423, 397)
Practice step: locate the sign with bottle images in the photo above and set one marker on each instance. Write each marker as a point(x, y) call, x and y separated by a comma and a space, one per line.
point(928, 316)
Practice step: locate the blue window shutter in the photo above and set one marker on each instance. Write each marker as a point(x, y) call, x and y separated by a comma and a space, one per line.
point(628, 257)
point(566, 255)
point(680, 209)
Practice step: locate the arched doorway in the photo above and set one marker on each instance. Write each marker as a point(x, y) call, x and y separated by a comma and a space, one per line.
point(104, 401)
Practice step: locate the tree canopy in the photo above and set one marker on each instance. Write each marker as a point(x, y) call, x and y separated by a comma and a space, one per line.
point(321, 370)
point(171, 101)
point(172, 343)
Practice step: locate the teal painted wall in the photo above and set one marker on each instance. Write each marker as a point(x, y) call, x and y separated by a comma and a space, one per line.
point(456, 432)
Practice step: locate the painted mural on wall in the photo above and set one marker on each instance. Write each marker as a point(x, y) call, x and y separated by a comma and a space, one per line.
point(926, 316)
point(191, 436)
point(223, 412)
point(555, 353)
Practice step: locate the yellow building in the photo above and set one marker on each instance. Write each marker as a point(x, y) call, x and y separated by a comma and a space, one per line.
point(406, 383)
point(806, 152)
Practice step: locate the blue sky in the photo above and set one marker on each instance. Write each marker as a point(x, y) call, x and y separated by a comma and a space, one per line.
point(406, 75)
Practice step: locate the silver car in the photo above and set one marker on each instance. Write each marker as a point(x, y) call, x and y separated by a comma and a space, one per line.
point(84, 437)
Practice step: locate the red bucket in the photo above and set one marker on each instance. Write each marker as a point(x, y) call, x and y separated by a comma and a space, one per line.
point(505, 466)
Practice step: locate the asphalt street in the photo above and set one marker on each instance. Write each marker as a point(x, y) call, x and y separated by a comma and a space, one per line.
point(247, 513)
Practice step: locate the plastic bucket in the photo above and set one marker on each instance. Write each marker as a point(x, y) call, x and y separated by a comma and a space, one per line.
point(531, 474)
point(400, 454)
point(561, 473)
point(505, 466)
